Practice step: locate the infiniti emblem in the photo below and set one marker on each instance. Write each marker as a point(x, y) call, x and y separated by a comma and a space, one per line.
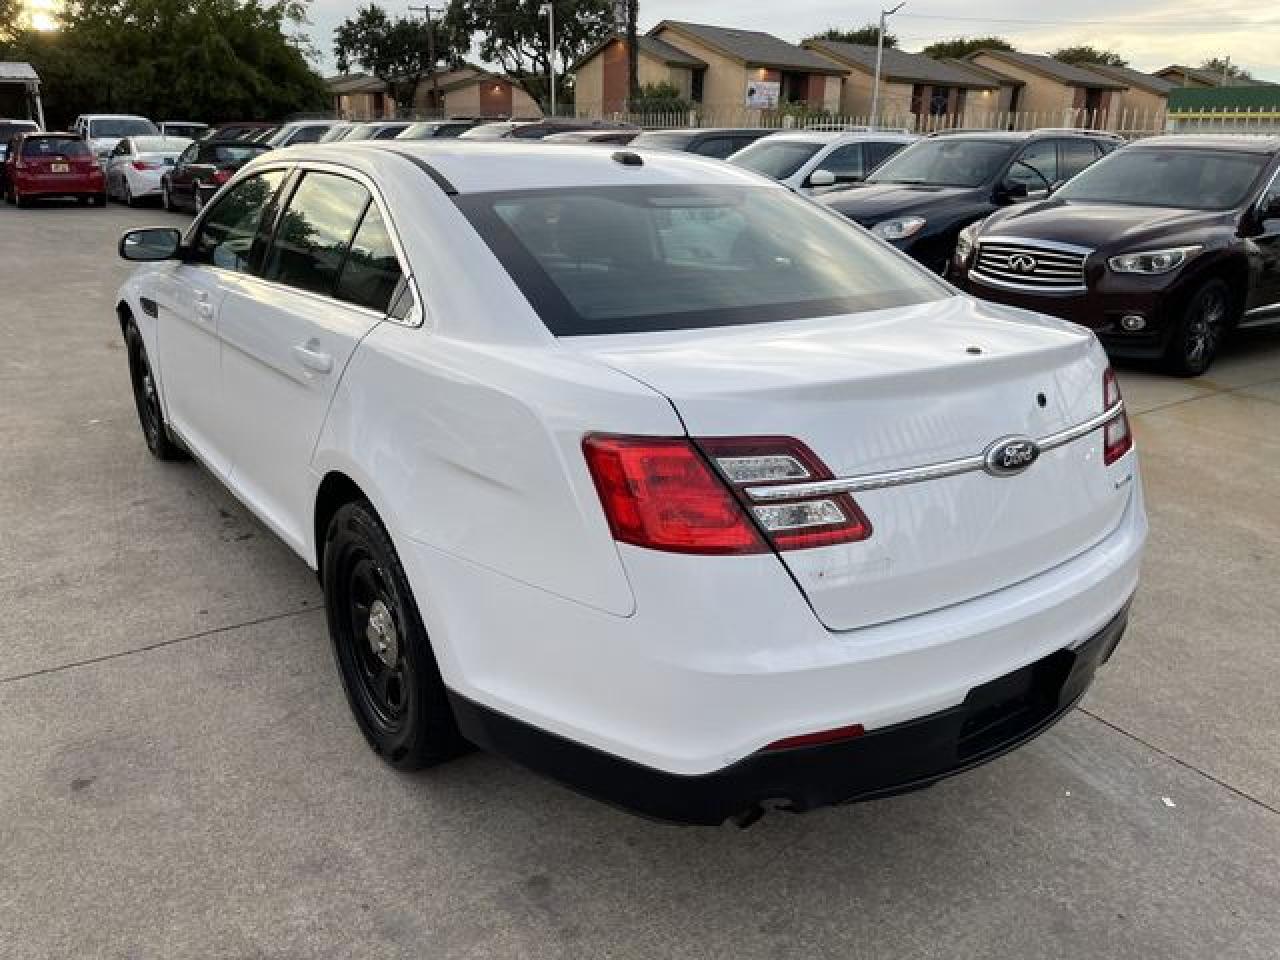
point(1010, 455)
point(1023, 263)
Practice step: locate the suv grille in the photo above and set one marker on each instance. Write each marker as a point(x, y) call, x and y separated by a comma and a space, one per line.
point(1027, 265)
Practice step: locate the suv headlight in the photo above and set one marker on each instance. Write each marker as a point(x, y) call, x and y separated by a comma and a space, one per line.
point(1152, 261)
point(898, 229)
point(966, 239)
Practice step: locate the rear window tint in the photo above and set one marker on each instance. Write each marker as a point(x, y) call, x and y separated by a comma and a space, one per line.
point(671, 257)
point(55, 146)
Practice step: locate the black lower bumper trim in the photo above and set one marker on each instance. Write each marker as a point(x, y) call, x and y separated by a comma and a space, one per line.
point(993, 719)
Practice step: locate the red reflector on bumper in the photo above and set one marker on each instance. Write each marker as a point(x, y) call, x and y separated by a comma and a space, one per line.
point(822, 736)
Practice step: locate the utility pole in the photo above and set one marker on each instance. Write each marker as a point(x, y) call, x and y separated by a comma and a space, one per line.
point(431, 53)
point(875, 90)
point(550, 10)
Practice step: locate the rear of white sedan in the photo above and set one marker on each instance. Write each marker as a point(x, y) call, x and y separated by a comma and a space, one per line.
point(657, 478)
point(137, 165)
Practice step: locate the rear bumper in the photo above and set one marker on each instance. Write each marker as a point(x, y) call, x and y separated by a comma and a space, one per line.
point(993, 719)
point(57, 185)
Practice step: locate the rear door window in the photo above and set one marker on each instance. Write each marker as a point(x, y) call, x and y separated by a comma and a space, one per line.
point(878, 153)
point(1036, 166)
point(1074, 156)
point(372, 272)
point(314, 232)
point(846, 162)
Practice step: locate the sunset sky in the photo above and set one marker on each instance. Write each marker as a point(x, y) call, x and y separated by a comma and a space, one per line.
point(1149, 33)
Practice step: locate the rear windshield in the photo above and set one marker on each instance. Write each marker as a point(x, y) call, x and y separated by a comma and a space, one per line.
point(237, 153)
point(943, 162)
point(489, 131)
point(1186, 179)
point(674, 257)
point(776, 158)
point(121, 127)
point(36, 147)
point(184, 129)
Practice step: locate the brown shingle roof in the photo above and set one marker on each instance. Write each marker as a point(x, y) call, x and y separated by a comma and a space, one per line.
point(900, 65)
point(1054, 69)
point(751, 47)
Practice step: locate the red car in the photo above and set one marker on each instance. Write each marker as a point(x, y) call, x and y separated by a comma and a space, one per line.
point(43, 165)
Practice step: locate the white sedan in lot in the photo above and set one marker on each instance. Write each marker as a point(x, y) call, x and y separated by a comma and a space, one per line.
point(643, 470)
point(137, 165)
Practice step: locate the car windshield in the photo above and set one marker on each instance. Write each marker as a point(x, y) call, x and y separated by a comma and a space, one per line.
point(776, 158)
point(673, 257)
point(160, 144)
point(1186, 179)
point(9, 127)
point(121, 127)
point(944, 162)
point(184, 129)
point(36, 147)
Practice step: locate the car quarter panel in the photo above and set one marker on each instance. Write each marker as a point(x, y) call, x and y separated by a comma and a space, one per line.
point(476, 451)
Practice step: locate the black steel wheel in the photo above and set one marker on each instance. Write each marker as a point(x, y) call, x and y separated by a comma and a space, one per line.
point(384, 657)
point(147, 399)
point(1194, 342)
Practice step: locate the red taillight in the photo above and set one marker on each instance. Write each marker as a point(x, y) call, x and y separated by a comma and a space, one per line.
point(145, 165)
point(222, 176)
point(1117, 440)
point(660, 493)
point(790, 523)
point(821, 737)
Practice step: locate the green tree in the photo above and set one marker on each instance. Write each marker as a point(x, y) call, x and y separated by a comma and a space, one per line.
point(1084, 55)
point(865, 35)
point(11, 20)
point(514, 35)
point(959, 47)
point(206, 60)
point(660, 98)
point(1221, 65)
point(394, 51)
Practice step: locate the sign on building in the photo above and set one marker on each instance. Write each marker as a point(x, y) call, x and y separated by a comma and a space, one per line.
point(763, 93)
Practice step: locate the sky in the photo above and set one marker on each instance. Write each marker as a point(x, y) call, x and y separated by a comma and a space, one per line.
point(1149, 33)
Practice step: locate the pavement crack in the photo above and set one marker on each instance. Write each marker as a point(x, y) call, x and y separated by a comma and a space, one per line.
point(1212, 392)
point(160, 644)
point(1182, 763)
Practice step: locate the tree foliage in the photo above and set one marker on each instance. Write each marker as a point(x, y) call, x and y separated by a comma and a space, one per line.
point(660, 98)
point(866, 35)
point(1083, 55)
point(959, 47)
point(1219, 64)
point(513, 34)
point(394, 51)
point(11, 19)
point(205, 60)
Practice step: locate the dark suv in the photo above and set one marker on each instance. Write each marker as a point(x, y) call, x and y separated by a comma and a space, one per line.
point(921, 198)
point(1162, 248)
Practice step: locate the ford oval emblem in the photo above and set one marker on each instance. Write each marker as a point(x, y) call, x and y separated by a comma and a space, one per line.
point(1010, 456)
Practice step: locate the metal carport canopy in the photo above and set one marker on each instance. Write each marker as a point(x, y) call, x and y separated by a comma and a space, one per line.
point(18, 73)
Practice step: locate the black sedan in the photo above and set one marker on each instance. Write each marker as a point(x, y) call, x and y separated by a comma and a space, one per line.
point(202, 168)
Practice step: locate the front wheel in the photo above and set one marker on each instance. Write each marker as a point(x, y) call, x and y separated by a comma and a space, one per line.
point(1194, 341)
point(384, 657)
point(147, 399)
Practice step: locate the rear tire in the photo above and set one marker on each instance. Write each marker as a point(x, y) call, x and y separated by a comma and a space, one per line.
point(129, 201)
point(146, 398)
point(165, 200)
point(1195, 339)
point(198, 201)
point(18, 199)
point(384, 657)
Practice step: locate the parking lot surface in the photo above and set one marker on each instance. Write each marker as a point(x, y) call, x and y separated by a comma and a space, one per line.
point(180, 777)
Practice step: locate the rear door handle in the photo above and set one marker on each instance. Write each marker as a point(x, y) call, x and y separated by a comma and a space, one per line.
point(312, 358)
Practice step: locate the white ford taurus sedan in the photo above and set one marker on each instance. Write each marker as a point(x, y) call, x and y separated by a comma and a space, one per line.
point(642, 470)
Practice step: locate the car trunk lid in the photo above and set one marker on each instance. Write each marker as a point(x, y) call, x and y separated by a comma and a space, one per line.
point(897, 389)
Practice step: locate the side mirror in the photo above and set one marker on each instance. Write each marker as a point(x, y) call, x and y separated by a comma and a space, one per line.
point(1012, 190)
point(822, 178)
point(148, 244)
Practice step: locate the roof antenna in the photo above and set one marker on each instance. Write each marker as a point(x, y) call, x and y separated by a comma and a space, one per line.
point(628, 158)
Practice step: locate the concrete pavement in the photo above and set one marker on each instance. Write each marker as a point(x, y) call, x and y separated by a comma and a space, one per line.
point(179, 776)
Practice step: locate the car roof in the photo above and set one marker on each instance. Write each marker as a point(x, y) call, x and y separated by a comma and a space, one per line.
point(838, 136)
point(1241, 143)
point(479, 166)
point(1018, 136)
